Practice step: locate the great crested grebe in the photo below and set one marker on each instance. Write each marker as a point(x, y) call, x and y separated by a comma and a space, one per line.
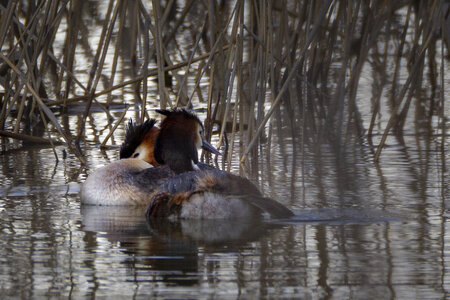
point(197, 192)
point(131, 180)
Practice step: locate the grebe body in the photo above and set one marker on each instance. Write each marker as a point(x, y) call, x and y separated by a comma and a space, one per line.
point(211, 194)
point(197, 192)
point(124, 182)
point(132, 179)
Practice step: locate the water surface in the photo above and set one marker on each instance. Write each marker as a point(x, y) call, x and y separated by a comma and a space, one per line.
point(374, 232)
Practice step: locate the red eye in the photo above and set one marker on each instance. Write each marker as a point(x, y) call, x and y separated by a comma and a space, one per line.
point(135, 155)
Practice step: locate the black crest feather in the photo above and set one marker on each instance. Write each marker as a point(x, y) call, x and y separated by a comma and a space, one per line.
point(178, 112)
point(134, 135)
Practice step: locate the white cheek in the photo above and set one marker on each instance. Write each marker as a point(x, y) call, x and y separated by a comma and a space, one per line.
point(141, 153)
point(199, 141)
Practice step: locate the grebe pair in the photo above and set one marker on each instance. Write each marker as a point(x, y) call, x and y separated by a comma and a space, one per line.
point(179, 186)
point(132, 179)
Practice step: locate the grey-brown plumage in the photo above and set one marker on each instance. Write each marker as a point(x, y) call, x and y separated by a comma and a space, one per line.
point(199, 191)
point(178, 190)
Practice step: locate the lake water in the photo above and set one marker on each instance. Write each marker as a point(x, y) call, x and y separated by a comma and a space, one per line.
point(362, 230)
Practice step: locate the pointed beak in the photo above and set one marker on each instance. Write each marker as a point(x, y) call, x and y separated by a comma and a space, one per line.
point(208, 147)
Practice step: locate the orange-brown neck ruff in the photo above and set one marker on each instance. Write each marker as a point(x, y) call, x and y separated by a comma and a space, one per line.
point(176, 145)
point(149, 144)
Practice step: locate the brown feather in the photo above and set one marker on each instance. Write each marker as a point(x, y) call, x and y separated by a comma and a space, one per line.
point(149, 143)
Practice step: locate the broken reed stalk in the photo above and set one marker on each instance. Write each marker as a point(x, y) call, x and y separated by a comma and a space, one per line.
point(27, 138)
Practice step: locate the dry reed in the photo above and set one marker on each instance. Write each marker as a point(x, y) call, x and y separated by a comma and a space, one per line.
point(298, 63)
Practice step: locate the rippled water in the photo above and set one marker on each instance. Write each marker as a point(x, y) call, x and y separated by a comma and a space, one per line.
point(362, 231)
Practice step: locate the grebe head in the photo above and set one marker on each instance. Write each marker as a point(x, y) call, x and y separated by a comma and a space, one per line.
point(140, 141)
point(180, 138)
